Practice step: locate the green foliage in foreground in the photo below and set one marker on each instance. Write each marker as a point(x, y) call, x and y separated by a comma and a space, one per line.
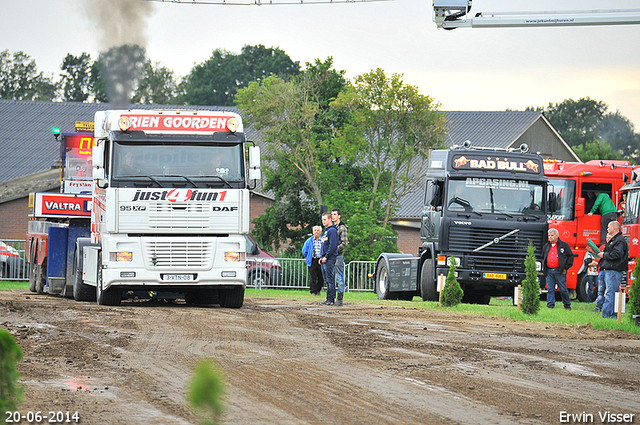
point(206, 390)
point(581, 314)
point(10, 355)
point(452, 293)
point(530, 285)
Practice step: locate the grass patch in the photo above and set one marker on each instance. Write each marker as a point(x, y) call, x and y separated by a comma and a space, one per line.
point(7, 285)
point(581, 314)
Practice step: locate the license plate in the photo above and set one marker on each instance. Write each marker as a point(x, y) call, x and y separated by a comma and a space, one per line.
point(179, 277)
point(494, 275)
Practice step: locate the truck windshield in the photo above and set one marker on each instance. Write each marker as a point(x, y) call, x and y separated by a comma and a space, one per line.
point(565, 191)
point(164, 164)
point(500, 196)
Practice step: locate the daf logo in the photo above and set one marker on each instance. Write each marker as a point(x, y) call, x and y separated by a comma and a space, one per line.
point(462, 223)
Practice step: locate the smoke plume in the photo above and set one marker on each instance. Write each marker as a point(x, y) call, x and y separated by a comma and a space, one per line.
point(121, 34)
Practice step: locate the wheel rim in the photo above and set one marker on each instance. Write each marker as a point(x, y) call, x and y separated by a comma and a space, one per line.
point(382, 281)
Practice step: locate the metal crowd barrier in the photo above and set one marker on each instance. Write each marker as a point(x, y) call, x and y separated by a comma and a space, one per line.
point(13, 265)
point(292, 273)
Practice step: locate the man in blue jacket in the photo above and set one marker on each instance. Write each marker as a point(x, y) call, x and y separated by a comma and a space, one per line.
point(328, 256)
point(311, 251)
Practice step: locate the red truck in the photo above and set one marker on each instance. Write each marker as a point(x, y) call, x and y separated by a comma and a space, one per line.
point(630, 224)
point(571, 183)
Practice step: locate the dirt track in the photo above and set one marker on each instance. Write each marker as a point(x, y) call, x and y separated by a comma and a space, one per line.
point(295, 362)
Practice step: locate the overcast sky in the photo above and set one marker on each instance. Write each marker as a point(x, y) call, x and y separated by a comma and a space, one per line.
point(465, 69)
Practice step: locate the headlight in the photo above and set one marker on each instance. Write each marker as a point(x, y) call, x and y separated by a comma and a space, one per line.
point(538, 266)
point(121, 256)
point(456, 259)
point(234, 256)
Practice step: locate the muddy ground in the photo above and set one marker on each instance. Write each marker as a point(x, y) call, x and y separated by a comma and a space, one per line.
point(295, 362)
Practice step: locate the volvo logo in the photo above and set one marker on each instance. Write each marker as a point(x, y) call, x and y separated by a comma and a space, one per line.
point(462, 223)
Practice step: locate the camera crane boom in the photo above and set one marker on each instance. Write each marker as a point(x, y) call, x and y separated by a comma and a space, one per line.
point(451, 14)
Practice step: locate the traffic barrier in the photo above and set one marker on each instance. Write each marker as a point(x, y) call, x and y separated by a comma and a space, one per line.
point(13, 265)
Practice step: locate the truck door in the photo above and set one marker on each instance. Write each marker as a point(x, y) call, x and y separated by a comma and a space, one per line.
point(432, 211)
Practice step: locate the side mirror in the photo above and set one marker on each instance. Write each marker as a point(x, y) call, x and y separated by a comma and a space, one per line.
point(553, 201)
point(580, 207)
point(254, 163)
point(97, 156)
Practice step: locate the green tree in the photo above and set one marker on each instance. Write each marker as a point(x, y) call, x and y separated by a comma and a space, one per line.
point(297, 123)
point(157, 85)
point(530, 286)
point(97, 83)
point(10, 355)
point(577, 120)
point(452, 293)
point(76, 79)
point(20, 79)
point(217, 80)
point(392, 130)
point(598, 149)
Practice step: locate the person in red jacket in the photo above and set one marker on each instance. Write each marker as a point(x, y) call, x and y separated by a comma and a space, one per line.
point(558, 258)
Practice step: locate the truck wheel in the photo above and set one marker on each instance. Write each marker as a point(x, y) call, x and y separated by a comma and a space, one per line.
point(32, 272)
point(41, 278)
point(382, 282)
point(428, 286)
point(232, 297)
point(582, 288)
point(81, 291)
point(111, 296)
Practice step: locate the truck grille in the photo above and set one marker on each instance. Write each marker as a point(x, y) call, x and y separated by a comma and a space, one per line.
point(506, 255)
point(178, 253)
point(187, 216)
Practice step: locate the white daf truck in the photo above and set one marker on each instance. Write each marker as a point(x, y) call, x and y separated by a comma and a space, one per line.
point(170, 207)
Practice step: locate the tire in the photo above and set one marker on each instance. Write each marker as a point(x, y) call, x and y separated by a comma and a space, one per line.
point(41, 278)
point(382, 282)
point(81, 291)
point(428, 284)
point(582, 288)
point(32, 268)
point(111, 296)
point(232, 297)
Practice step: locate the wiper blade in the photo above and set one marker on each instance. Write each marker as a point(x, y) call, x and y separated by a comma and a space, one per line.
point(137, 178)
point(222, 180)
point(182, 177)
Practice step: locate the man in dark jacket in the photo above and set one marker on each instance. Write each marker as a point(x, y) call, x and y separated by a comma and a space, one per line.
point(328, 256)
point(614, 262)
point(558, 258)
point(343, 241)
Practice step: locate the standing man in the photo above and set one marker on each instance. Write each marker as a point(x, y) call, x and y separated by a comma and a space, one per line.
point(342, 244)
point(311, 250)
point(558, 258)
point(608, 212)
point(614, 262)
point(328, 256)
